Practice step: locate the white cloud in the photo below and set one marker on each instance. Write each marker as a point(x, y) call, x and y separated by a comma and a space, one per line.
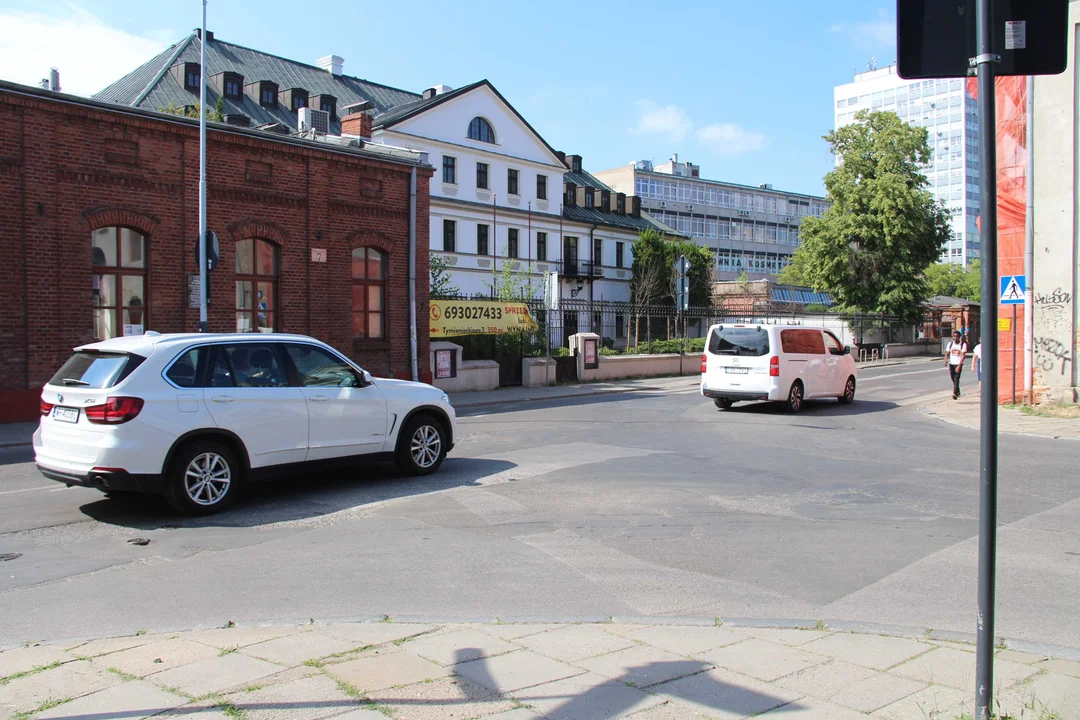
point(668, 120)
point(870, 35)
point(729, 139)
point(88, 53)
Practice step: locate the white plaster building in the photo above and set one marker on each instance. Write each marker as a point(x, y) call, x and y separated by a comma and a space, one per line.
point(501, 194)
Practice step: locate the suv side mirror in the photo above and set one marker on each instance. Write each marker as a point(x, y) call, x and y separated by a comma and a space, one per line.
point(365, 378)
point(847, 349)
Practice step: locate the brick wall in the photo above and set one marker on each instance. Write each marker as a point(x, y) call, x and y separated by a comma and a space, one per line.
point(68, 168)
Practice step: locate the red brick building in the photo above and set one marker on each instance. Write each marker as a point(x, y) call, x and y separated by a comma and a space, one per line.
point(99, 219)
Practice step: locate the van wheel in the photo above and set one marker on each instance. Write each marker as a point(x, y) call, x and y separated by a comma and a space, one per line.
point(849, 392)
point(421, 446)
point(723, 403)
point(795, 397)
point(204, 478)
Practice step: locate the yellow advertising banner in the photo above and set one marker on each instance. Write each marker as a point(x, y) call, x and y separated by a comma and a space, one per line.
point(478, 317)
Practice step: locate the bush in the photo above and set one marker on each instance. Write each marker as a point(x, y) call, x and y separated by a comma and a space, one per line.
point(666, 347)
point(560, 351)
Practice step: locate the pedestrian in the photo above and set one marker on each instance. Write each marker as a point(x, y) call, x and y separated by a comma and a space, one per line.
point(955, 355)
point(976, 360)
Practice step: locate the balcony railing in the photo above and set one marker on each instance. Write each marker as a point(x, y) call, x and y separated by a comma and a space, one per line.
point(581, 269)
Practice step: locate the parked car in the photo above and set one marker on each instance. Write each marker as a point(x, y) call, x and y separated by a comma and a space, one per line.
point(194, 417)
point(788, 363)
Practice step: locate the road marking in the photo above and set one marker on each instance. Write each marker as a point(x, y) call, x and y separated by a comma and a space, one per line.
point(39, 487)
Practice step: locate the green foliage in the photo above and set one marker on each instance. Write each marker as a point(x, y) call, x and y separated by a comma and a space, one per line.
point(663, 347)
point(815, 308)
point(883, 228)
point(560, 351)
point(954, 280)
point(442, 285)
point(653, 281)
point(217, 114)
point(793, 274)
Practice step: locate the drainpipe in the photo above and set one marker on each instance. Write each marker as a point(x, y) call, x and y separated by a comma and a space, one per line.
point(1029, 245)
point(592, 275)
point(412, 276)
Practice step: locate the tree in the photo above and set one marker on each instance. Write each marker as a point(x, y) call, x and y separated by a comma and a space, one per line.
point(653, 280)
point(442, 285)
point(217, 114)
point(954, 280)
point(882, 228)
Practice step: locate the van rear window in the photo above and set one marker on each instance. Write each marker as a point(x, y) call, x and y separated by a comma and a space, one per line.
point(752, 341)
point(96, 370)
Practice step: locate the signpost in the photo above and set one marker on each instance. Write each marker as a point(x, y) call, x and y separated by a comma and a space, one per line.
point(1000, 37)
point(682, 302)
point(1013, 292)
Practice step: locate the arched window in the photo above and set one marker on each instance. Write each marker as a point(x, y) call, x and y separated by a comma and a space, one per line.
point(118, 260)
point(369, 293)
point(480, 129)
point(256, 285)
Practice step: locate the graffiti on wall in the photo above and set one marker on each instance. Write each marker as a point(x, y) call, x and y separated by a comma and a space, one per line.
point(1051, 354)
point(1055, 315)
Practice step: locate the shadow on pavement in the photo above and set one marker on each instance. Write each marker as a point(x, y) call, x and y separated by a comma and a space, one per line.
point(16, 455)
point(563, 401)
point(297, 497)
point(820, 408)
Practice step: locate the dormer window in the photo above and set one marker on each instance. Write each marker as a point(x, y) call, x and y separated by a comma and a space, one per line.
point(326, 103)
point(588, 197)
point(295, 98)
point(605, 200)
point(188, 74)
point(570, 195)
point(480, 129)
point(233, 85)
point(577, 164)
point(620, 201)
point(264, 92)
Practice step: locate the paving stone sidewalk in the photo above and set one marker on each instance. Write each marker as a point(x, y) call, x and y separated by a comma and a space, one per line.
point(522, 671)
point(965, 411)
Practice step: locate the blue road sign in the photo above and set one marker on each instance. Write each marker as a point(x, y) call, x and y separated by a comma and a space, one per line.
point(1012, 289)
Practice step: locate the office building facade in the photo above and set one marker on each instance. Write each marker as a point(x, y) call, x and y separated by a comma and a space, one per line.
point(752, 230)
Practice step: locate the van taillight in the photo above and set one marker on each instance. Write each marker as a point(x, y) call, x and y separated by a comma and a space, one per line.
point(46, 408)
point(774, 366)
point(114, 411)
point(704, 362)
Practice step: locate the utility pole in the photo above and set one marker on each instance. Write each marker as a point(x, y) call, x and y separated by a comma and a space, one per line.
point(203, 324)
point(984, 62)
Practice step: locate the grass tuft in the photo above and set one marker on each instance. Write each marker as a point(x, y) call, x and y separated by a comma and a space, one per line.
point(27, 673)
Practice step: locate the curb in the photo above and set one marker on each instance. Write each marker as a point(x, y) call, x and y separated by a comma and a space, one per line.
point(841, 626)
point(925, 410)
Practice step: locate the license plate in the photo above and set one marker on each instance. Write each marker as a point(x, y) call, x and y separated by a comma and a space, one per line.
point(66, 414)
point(736, 371)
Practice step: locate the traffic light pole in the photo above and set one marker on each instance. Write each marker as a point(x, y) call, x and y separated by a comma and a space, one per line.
point(988, 460)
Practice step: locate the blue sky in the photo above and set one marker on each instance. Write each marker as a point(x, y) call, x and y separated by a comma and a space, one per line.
point(743, 89)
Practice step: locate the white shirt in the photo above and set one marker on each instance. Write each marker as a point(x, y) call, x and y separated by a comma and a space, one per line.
point(956, 350)
point(977, 352)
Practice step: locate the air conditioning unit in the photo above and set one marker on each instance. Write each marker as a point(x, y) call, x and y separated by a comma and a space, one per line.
point(744, 213)
point(311, 119)
point(663, 203)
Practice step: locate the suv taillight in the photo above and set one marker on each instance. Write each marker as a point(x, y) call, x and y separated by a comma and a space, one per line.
point(704, 362)
point(774, 366)
point(114, 411)
point(46, 408)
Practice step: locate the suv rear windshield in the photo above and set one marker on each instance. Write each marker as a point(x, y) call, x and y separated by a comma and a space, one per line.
point(753, 341)
point(96, 370)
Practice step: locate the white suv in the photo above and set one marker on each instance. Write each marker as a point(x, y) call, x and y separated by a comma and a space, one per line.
point(193, 417)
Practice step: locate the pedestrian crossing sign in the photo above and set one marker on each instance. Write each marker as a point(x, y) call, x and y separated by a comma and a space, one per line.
point(1012, 289)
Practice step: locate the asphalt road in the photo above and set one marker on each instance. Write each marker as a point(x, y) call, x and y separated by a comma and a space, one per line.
point(650, 503)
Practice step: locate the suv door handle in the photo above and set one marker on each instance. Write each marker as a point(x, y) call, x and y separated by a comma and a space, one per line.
point(222, 399)
point(319, 398)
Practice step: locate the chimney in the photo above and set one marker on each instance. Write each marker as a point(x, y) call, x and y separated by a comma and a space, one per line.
point(209, 34)
point(332, 64)
point(561, 155)
point(675, 157)
point(428, 93)
point(357, 123)
point(635, 206)
point(54, 80)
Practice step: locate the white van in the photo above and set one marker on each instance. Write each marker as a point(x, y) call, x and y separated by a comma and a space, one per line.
point(789, 363)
